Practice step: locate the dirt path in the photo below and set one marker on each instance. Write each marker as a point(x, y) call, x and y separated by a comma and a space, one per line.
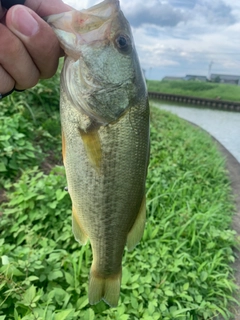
point(233, 167)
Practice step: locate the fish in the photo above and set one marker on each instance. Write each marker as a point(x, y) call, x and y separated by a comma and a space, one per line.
point(104, 114)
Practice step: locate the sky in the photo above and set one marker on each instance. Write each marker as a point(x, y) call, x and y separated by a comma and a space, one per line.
point(180, 37)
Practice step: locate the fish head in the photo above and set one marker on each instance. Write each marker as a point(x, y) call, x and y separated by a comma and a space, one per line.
point(102, 75)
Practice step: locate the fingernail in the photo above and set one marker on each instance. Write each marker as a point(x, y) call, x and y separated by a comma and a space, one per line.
point(24, 22)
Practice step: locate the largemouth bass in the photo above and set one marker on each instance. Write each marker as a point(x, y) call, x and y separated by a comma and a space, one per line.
point(105, 138)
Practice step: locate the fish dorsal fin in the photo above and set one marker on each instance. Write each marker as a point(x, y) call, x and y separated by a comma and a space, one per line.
point(135, 234)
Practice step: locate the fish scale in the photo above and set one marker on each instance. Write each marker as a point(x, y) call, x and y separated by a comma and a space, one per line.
point(105, 136)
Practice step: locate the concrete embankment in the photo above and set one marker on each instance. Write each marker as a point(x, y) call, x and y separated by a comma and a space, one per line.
point(203, 102)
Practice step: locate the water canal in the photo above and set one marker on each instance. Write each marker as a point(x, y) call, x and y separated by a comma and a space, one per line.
point(222, 125)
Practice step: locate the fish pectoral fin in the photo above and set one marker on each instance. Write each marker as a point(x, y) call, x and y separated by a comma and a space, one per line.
point(77, 228)
point(135, 234)
point(104, 288)
point(92, 145)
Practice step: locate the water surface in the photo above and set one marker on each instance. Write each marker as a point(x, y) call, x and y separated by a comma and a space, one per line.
point(222, 125)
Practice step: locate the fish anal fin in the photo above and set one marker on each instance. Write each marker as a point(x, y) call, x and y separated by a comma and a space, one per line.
point(78, 231)
point(92, 145)
point(104, 288)
point(136, 232)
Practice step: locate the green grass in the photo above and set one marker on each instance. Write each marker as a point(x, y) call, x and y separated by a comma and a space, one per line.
point(30, 128)
point(196, 89)
point(181, 268)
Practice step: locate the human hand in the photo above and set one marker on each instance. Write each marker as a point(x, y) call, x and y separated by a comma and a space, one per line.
point(29, 48)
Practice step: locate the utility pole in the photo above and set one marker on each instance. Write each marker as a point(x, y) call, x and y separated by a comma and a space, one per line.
point(144, 73)
point(209, 70)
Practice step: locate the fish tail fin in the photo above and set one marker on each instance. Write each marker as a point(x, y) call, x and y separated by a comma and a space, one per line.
point(104, 288)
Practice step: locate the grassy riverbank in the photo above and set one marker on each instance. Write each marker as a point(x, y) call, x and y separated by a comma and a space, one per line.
point(180, 270)
point(196, 89)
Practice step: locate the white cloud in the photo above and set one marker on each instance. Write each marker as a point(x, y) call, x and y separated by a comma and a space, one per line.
point(175, 37)
point(82, 4)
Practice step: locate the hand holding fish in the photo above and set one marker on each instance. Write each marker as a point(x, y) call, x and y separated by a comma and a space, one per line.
point(29, 48)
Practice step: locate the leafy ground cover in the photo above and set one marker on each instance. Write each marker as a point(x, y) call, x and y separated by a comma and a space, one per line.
point(30, 129)
point(180, 270)
point(196, 89)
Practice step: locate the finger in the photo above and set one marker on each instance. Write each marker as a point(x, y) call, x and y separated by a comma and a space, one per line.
point(2, 12)
point(37, 37)
point(7, 82)
point(45, 7)
point(16, 61)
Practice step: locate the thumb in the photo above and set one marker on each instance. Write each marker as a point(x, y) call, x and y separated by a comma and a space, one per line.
point(45, 7)
point(37, 36)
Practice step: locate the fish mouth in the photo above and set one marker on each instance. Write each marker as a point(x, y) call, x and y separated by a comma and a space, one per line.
point(85, 26)
point(104, 9)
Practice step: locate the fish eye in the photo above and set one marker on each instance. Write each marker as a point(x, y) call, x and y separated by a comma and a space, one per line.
point(123, 43)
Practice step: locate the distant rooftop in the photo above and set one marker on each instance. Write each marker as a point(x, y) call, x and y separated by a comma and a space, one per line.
point(192, 76)
point(172, 78)
point(224, 76)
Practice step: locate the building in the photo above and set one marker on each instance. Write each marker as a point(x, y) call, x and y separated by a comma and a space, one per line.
point(225, 78)
point(172, 78)
point(195, 77)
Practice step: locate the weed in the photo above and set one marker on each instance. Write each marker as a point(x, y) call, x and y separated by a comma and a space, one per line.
point(180, 269)
point(17, 152)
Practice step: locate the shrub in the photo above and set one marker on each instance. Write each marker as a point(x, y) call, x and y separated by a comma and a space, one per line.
point(17, 149)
